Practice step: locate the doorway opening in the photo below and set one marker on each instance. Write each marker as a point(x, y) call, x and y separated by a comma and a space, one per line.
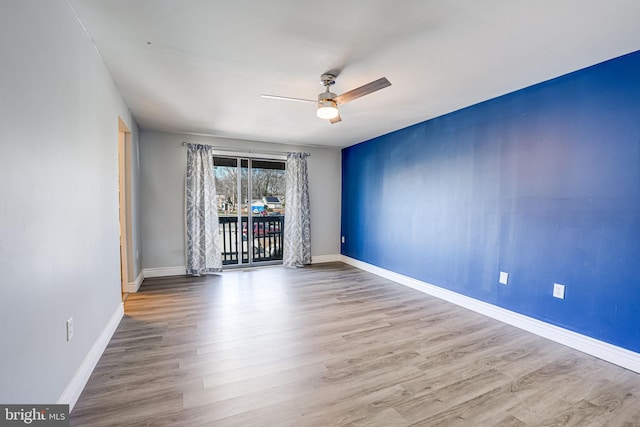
point(124, 146)
point(251, 200)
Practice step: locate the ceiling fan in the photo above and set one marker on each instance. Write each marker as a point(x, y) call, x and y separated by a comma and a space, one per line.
point(328, 101)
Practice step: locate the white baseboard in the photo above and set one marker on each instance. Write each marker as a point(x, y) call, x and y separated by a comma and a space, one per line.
point(165, 271)
point(600, 349)
point(133, 287)
point(73, 390)
point(319, 259)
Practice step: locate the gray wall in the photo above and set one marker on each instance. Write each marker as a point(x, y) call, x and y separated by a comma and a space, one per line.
point(163, 165)
point(59, 244)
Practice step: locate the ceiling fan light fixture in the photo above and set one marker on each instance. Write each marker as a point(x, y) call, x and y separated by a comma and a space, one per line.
point(327, 109)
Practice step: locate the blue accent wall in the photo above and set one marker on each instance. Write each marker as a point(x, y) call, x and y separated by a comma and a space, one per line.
point(543, 183)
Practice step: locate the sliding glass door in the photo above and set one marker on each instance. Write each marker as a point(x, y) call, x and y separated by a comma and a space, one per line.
point(250, 209)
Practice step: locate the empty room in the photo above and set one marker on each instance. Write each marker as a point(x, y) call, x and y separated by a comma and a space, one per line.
point(295, 213)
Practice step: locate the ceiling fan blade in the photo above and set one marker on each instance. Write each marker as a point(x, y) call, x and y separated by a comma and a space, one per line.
point(288, 98)
point(375, 85)
point(336, 119)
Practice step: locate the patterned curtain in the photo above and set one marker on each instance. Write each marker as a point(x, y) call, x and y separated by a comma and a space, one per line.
point(297, 223)
point(203, 245)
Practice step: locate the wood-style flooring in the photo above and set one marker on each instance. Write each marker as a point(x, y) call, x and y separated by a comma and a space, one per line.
point(331, 345)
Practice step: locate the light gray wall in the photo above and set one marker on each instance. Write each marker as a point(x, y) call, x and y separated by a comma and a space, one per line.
point(59, 239)
point(163, 167)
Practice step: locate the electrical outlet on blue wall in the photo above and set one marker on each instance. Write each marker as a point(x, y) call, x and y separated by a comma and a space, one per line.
point(558, 290)
point(504, 278)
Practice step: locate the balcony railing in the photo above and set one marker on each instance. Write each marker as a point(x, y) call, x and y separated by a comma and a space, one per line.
point(264, 240)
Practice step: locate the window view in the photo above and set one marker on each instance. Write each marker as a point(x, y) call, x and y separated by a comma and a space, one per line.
point(251, 200)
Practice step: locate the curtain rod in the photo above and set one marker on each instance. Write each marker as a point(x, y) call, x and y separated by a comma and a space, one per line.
point(240, 150)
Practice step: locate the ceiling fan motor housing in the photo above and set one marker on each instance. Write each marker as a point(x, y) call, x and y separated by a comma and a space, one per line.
point(326, 96)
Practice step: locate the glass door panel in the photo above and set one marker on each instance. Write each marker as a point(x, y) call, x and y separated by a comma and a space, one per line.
point(229, 206)
point(267, 209)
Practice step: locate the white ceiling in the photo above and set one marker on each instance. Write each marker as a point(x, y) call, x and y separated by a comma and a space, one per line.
point(199, 66)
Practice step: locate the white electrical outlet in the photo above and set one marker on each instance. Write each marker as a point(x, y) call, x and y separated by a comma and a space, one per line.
point(504, 278)
point(342, 239)
point(558, 290)
point(70, 329)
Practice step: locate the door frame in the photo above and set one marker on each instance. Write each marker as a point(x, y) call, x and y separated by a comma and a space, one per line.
point(124, 195)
